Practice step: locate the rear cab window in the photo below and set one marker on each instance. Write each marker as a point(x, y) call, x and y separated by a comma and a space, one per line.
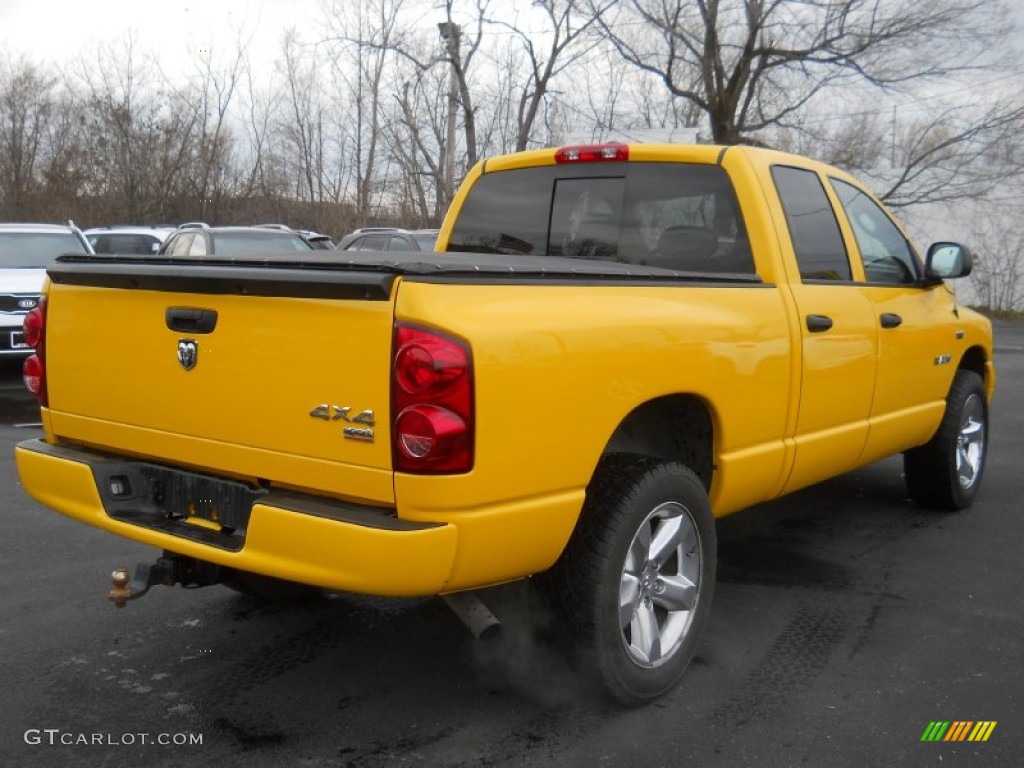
point(679, 216)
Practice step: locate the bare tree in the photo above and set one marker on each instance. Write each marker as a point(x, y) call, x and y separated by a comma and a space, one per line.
point(141, 135)
point(497, 124)
point(752, 64)
point(418, 203)
point(214, 94)
point(417, 129)
point(610, 99)
point(601, 111)
point(951, 155)
point(460, 59)
point(261, 105)
point(998, 276)
point(558, 47)
point(26, 108)
point(363, 42)
point(460, 47)
point(304, 126)
point(657, 111)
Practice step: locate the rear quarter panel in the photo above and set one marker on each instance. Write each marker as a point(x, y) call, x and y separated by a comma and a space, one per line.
point(558, 367)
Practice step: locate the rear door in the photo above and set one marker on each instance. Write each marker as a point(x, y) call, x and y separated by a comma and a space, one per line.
point(838, 335)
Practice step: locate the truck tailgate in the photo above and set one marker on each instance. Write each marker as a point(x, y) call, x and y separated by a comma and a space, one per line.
point(261, 371)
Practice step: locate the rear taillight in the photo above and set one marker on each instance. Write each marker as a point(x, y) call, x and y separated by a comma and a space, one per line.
point(33, 373)
point(593, 153)
point(431, 403)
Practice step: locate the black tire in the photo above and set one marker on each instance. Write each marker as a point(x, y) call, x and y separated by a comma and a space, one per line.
point(629, 502)
point(268, 589)
point(945, 473)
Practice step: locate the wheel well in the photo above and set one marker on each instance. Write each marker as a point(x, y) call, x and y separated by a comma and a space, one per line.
point(672, 428)
point(974, 360)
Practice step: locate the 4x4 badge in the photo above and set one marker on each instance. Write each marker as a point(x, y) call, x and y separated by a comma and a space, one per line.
point(188, 353)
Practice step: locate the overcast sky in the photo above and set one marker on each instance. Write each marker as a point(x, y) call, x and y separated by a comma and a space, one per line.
point(176, 31)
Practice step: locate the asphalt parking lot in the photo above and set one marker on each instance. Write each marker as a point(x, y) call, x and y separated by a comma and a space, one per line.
point(846, 620)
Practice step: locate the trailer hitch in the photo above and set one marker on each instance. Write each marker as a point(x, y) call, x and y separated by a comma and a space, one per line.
point(168, 570)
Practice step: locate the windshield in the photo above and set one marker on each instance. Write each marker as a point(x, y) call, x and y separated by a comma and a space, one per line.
point(36, 249)
point(681, 216)
point(250, 244)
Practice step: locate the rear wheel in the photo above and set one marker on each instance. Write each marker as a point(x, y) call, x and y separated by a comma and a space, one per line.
point(945, 473)
point(635, 583)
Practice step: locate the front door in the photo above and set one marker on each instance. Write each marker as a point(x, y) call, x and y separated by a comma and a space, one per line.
point(916, 329)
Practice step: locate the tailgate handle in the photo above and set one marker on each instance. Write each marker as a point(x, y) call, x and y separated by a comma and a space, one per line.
point(191, 320)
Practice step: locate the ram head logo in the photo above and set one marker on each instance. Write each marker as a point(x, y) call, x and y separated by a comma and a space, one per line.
point(188, 353)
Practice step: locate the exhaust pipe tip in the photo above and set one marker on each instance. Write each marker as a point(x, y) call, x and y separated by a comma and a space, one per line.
point(474, 614)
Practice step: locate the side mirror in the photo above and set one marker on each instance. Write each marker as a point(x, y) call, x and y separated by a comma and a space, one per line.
point(948, 261)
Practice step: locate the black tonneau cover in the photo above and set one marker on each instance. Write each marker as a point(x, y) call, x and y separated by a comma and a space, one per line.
point(369, 275)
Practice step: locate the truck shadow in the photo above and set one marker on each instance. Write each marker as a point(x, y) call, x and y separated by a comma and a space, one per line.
point(815, 538)
point(17, 405)
point(363, 681)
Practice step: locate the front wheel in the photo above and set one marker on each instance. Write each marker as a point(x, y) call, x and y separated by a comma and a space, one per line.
point(635, 583)
point(945, 472)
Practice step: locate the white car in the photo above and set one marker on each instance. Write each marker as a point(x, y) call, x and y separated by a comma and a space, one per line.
point(25, 252)
point(136, 241)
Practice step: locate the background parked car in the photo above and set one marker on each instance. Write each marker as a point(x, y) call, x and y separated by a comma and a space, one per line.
point(25, 252)
point(316, 240)
point(198, 239)
point(143, 241)
point(389, 239)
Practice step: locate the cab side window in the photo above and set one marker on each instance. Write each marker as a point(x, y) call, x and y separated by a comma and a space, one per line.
point(813, 228)
point(888, 257)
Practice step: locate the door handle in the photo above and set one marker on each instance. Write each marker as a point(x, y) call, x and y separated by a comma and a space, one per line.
point(818, 323)
point(890, 320)
point(190, 319)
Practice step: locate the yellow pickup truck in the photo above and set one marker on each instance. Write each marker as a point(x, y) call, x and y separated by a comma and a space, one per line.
point(614, 345)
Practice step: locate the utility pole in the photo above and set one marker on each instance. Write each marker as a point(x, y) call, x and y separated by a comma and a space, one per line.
point(450, 35)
